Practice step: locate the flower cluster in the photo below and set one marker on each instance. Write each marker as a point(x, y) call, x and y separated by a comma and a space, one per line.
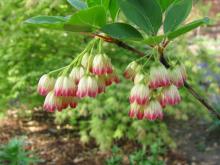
point(155, 90)
point(89, 76)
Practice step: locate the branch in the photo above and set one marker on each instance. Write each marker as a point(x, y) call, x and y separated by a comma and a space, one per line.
point(164, 62)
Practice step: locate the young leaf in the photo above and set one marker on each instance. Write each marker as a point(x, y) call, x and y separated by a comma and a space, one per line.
point(164, 4)
point(121, 31)
point(188, 27)
point(113, 9)
point(91, 17)
point(146, 14)
point(176, 14)
point(78, 4)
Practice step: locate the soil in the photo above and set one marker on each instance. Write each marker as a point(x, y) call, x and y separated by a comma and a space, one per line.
point(57, 145)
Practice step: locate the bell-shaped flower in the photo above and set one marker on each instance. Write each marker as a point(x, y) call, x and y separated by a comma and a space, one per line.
point(101, 65)
point(101, 84)
point(153, 111)
point(140, 77)
point(159, 77)
point(178, 75)
point(136, 111)
point(77, 73)
point(45, 85)
point(139, 94)
point(69, 101)
point(87, 86)
point(52, 102)
point(65, 86)
point(87, 61)
point(170, 96)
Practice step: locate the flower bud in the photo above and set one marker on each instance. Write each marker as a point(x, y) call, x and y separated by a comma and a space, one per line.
point(87, 87)
point(139, 94)
point(77, 73)
point(87, 61)
point(139, 78)
point(159, 77)
point(65, 86)
point(45, 85)
point(153, 111)
point(101, 65)
point(131, 70)
point(52, 102)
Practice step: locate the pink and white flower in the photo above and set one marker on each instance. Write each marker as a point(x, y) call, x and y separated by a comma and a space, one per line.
point(69, 101)
point(131, 70)
point(45, 85)
point(153, 111)
point(170, 96)
point(136, 111)
point(65, 86)
point(52, 102)
point(87, 86)
point(178, 75)
point(139, 94)
point(159, 77)
point(77, 73)
point(101, 65)
point(112, 78)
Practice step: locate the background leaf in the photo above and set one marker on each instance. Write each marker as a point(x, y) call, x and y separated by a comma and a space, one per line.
point(91, 17)
point(139, 13)
point(121, 31)
point(104, 3)
point(77, 4)
point(176, 14)
point(188, 27)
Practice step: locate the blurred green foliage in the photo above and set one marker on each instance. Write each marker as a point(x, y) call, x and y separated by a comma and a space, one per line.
point(27, 53)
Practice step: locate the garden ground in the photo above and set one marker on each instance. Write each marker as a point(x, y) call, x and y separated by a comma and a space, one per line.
point(61, 145)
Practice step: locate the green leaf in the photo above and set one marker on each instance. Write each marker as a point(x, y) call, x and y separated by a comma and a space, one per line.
point(104, 3)
point(113, 9)
point(56, 22)
point(176, 14)
point(188, 27)
point(154, 40)
point(146, 14)
point(91, 17)
point(164, 4)
point(77, 4)
point(121, 31)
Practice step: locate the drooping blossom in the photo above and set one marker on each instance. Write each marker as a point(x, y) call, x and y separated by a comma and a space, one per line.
point(45, 85)
point(139, 78)
point(131, 70)
point(159, 77)
point(87, 61)
point(178, 75)
point(139, 94)
point(65, 86)
point(136, 111)
point(101, 65)
point(69, 101)
point(77, 73)
point(153, 110)
point(170, 96)
point(52, 102)
point(101, 84)
point(112, 78)
point(87, 86)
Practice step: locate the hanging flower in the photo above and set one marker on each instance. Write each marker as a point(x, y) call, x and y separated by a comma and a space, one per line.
point(140, 94)
point(87, 61)
point(52, 102)
point(87, 87)
point(131, 70)
point(69, 101)
point(159, 77)
point(101, 84)
point(45, 85)
point(136, 111)
point(153, 111)
point(77, 73)
point(65, 86)
point(101, 65)
point(139, 78)
point(178, 75)
point(170, 96)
